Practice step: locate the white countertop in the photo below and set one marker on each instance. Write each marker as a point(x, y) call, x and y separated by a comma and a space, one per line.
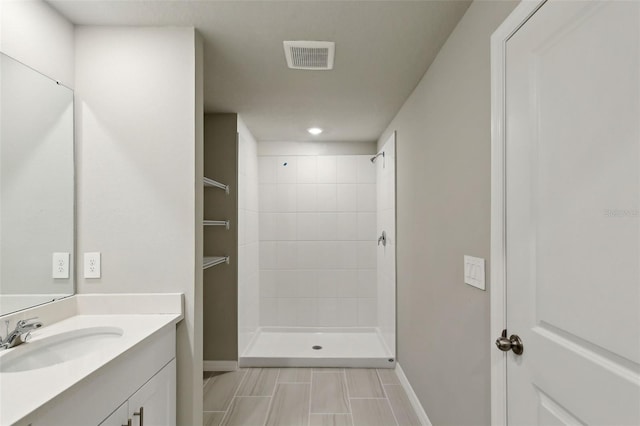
point(21, 393)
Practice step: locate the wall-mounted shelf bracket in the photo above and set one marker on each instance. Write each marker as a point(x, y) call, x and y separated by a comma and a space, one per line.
point(210, 183)
point(208, 262)
point(224, 223)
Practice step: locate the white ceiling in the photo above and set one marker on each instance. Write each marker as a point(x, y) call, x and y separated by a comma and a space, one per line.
point(382, 50)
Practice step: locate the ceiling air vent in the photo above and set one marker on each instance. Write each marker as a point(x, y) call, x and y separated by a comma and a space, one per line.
point(309, 55)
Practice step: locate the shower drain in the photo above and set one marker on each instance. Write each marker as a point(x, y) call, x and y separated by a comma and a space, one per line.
point(316, 347)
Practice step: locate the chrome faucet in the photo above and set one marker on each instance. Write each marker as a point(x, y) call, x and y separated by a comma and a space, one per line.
point(20, 334)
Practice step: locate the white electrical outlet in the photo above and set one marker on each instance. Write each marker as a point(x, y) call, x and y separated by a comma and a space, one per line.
point(92, 265)
point(60, 265)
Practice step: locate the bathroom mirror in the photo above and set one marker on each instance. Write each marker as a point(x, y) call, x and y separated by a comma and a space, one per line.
point(36, 188)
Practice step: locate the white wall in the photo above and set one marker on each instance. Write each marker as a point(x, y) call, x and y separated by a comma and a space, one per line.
point(443, 212)
point(33, 33)
point(136, 116)
point(317, 240)
point(386, 263)
point(248, 238)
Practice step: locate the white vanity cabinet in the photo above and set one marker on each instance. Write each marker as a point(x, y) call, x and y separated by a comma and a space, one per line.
point(120, 417)
point(139, 385)
point(154, 404)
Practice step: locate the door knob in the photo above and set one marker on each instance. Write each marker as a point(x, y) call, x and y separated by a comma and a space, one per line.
point(513, 343)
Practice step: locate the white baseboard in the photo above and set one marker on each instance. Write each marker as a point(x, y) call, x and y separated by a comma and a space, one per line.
point(413, 398)
point(220, 365)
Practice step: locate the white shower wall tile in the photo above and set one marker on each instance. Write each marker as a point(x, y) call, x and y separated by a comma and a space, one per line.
point(346, 197)
point(347, 169)
point(286, 254)
point(326, 172)
point(347, 226)
point(367, 283)
point(366, 170)
point(327, 226)
point(317, 241)
point(307, 169)
point(367, 226)
point(328, 313)
point(287, 284)
point(286, 228)
point(268, 312)
point(252, 227)
point(307, 312)
point(249, 291)
point(242, 227)
point(268, 226)
point(327, 197)
point(307, 227)
point(287, 311)
point(348, 284)
point(285, 197)
point(267, 198)
point(307, 198)
point(267, 255)
point(308, 255)
point(366, 197)
point(286, 169)
point(267, 170)
point(268, 280)
point(307, 283)
point(348, 312)
point(367, 311)
point(367, 254)
point(346, 254)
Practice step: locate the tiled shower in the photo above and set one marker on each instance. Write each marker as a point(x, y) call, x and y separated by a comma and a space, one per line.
point(317, 241)
point(321, 268)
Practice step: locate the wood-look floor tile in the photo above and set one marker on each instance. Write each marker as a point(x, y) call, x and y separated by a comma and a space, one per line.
point(401, 406)
point(329, 393)
point(388, 376)
point(290, 405)
point(259, 382)
point(212, 418)
point(331, 420)
point(372, 412)
point(247, 411)
point(328, 370)
point(364, 383)
point(294, 375)
point(221, 389)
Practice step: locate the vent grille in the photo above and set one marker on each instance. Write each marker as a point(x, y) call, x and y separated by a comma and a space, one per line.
point(309, 55)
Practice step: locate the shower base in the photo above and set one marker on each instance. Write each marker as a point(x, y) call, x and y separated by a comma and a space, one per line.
point(335, 347)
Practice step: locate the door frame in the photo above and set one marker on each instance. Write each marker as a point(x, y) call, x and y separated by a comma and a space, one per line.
point(497, 284)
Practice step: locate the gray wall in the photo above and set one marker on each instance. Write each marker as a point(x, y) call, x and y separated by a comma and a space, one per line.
point(443, 207)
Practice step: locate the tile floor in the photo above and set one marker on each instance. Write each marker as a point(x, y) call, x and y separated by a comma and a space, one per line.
point(306, 397)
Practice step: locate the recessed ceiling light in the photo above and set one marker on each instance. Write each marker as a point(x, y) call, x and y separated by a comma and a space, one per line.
point(315, 131)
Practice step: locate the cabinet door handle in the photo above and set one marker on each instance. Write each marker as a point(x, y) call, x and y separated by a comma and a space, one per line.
point(128, 423)
point(141, 414)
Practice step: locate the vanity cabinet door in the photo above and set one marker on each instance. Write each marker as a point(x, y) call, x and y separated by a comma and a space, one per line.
point(120, 417)
point(154, 404)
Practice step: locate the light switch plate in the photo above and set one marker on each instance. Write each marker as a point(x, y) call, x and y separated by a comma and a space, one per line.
point(92, 265)
point(60, 265)
point(474, 271)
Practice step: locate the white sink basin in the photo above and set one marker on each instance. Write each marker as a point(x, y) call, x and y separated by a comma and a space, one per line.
point(56, 349)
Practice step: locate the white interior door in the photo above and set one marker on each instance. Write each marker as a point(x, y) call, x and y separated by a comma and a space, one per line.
point(573, 214)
